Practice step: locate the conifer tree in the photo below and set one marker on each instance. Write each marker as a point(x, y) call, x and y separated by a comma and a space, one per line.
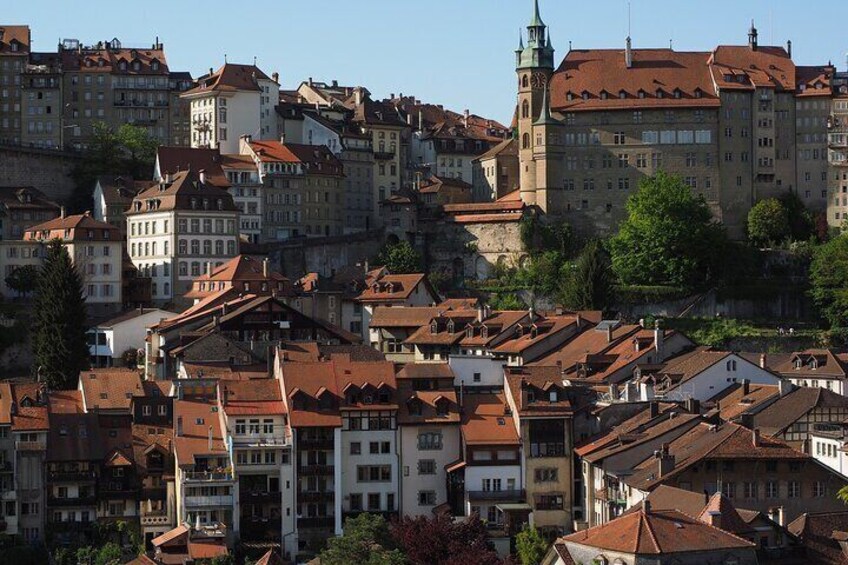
point(59, 342)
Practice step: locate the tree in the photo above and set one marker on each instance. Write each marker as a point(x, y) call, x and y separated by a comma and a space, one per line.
point(109, 554)
point(768, 222)
point(438, 540)
point(139, 149)
point(400, 258)
point(366, 539)
point(829, 280)
point(588, 283)
point(59, 342)
point(668, 238)
point(802, 224)
point(226, 559)
point(23, 279)
point(531, 546)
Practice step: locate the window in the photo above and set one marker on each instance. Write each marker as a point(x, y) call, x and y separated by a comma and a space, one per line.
point(426, 498)
point(794, 489)
point(373, 473)
point(430, 440)
point(355, 502)
point(729, 489)
point(426, 466)
point(546, 475)
point(355, 448)
point(818, 489)
point(771, 489)
point(749, 489)
point(619, 138)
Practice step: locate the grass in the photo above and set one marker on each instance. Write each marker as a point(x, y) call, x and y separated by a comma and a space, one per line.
point(719, 331)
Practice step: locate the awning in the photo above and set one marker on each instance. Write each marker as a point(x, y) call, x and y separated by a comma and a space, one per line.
point(455, 466)
point(514, 507)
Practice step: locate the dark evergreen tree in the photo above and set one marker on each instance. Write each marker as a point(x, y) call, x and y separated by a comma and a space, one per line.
point(588, 283)
point(59, 342)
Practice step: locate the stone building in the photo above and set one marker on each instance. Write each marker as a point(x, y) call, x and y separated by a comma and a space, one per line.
point(14, 51)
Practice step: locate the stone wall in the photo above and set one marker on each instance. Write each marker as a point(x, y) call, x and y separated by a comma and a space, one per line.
point(472, 250)
point(46, 170)
point(324, 255)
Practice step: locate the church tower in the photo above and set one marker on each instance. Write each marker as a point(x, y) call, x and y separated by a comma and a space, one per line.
point(534, 65)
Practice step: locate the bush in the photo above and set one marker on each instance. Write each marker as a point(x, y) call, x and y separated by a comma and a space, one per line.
point(768, 222)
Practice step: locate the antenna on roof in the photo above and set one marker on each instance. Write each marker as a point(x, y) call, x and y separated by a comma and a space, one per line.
point(628, 18)
point(254, 60)
point(225, 58)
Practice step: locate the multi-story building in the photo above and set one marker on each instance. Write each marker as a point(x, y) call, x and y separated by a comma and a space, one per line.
point(385, 289)
point(449, 149)
point(180, 109)
point(233, 101)
point(22, 208)
point(113, 196)
point(813, 107)
point(107, 82)
point(30, 428)
point(240, 275)
point(41, 101)
point(178, 227)
point(257, 437)
point(724, 121)
point(246, 189)
point(15, 45)
point(303, 188)
point(8, 495)
point(837, 149)
point(96, 250)
point(494, 174)
point(111, 339)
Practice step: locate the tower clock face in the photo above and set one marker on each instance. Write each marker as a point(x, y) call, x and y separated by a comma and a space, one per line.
point(538, 80)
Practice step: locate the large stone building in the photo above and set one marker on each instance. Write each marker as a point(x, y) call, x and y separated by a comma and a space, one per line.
point(737, 124)
point(14, 51)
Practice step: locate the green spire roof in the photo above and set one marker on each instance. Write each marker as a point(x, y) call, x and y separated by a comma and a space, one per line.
point(537, 20)
point(545, 118)
point(520, 40)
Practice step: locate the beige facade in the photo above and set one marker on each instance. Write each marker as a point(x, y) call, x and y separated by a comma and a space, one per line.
point(14, 50)
point(837, 145)
point(41, 101)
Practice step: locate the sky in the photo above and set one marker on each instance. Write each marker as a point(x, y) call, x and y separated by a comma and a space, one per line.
point(459, 53)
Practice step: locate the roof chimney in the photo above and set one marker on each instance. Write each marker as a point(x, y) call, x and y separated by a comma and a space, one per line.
point(659, 338)
point(265, 267)
point(357, 95)
point(789, 48)
point(746, 387)
point(785, 387)
point(202, 176)
point(275, 77)
point(714, 519)
point(210, 438)
point(763, 360)
point(655, 408)
point(665, 461)
point(61, 211)
point(752, 37)
point(755, 437)
point(179, 426)
point(646, 506)
point(628, 53)
point(524, 400)
point(609, 333)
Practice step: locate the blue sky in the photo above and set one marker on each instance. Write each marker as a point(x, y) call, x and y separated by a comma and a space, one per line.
point(454, 52)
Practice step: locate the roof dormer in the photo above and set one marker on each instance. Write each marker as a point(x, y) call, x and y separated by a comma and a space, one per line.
point(451, 326)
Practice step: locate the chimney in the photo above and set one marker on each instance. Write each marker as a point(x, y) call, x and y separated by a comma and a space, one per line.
point(609, 333)
point(714, 518)
point(785, 387)
point(265, 267)
point(655, 408)
point(275, 77)
point(747, 420)
point(225, 395)
point(282, 138)
point(755, 437)
point(665, 461)
point(309, 82)
point(578, 320)
point(746, 387)
point(481, 312)
point(789, 48)
point(336, 84)
point(210, 438)
point(357, 95)
point(693, 405)
point(523, 393)
point(61, 211)
point(211, 70)
point(646, 506)
point(209, 268)
point(628, 54)
point(659, 338)
point(202, 176)
point(466, 115)
point(179, 426)
point(752, 37)
point(420, 119)
point(763, 361)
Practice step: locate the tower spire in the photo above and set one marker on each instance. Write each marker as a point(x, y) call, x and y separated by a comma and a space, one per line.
point(545, 114)
point(520, 40)
point(537, 19)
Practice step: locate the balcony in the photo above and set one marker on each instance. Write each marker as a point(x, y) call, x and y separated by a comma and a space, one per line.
point(207, 476)
point(315, 496)
point(316, 443)
point(30, 446)
point(498, 495)
point(384, 155)
point(259, 441)
point(316, 522)
point(55, 501)
point(246, 496)
point(313, 470)
point(209, 501)
point(155, 519)
point(124, 491)
point(72, 476)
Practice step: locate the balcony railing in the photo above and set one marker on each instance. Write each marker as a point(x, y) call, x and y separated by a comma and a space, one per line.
point(259, 496)
point(30, 446)
point(155, 520)
point(209, 501)
point(316, 522)
point(316, 443)
point(502, 495)
point(312, 470)
point(78, 501)
point(315, 496)
point(207, 476)
point(72, 476)
point(258, 441)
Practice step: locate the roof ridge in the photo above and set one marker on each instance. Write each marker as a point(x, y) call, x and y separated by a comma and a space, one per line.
point(650, 532)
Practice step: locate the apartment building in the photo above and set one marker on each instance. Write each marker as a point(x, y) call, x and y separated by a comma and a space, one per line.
point(41, 101)
point(825, 368)
point(113, 196)
point(22, 207)
point(177, 228)
point(494, 174)
point(96, 250)
point(15, 44)
point(246, 188)
point(233, 101)
point(240, 275)
point(110, 83)
point(724, 121)
point(837, 150)
point(29, 430)
point(385, 289)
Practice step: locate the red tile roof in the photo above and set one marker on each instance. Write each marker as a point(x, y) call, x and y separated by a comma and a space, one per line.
point(230, 77)
point(317, 159)
point(486, 421)
point(5, 403)
point(172, 160)
point(392, 288)
point(80, 227)
point(197, 418)
point(257, 396)
point(238, 271)
point(107, 60)
point(110, 389)
point(179, 192)
point(18, 34)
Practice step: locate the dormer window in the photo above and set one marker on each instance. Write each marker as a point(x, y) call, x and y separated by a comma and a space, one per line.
point(154, 65)
point(484, 332)
point(814, 364)
point(442, 407)
point(434, 327)
point(660, 93)
point(585, 95)
point(451, 326)
point(569, 96)
point(122, 65)
point(677, 93)
point(798, 363)
point(101, 62)
point(699, 93)
point(519, 330)
point(641, 93)
point(414, 406)
point(622, 94)
point(553, 395)
point(469, 331)
point(604, 95)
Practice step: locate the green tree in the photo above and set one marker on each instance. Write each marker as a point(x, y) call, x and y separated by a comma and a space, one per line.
point(227, 559)
point(802, 223)
point(59, 342)
point(23, 279)
point(109, 554)
point(530, 545)
point(367, 540)
point(668, 238)
point(400, 258)
point(139, 149)
point(588, 283)
point(768, 222)
point(506, 301)
point(542, 275)
point(829, 280)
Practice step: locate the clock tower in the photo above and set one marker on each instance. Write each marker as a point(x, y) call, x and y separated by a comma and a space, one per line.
point(534, 65)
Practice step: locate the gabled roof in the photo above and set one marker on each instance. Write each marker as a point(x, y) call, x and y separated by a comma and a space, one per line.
point(661, 532)
point(119, 190)
point(821, 533)
point(171, 536)
point(814, 364)
point(731, 521)
point(254, 397)
point(733, 401)
point(25, 198)
point(200, 422)
point(791, 407)
point(486, 420)
point(183, 191)
point(407, 317)
point(393, 288)
point(110, 389)
point(79, 227)
point(171, 160)
point(543, 382)
point(230, 77)
point(507, 147)
point(14, 33)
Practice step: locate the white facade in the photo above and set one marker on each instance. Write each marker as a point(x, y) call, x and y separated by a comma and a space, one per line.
point(477, 368)
point(730, 370)
point(173, 247)
point(99, 263)
point(829, 449)
point(837, 385)
point(361, 449)
point(489, 479)
point(15, 253)
point(108, 342)
point(246, 190)
point(423, 475)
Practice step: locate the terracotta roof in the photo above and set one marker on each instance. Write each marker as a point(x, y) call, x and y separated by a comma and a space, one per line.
point(141, 560)
point(183, 190)
point(765, 67)
point(235, 161)
point(814, 364)
point(603, 76)
point(545, 327)
point(81, 227)
point(788, 409)
point(309, 380)
point(434, 184)
point(119, 191)
point(733, 401)
point(26, 198)
point(659, 532)
point(170, 535)
point(392, 288)
point(146, 437)
point(230, 77)
point(317, 159)
point(407, 317)
point(730, 519)
point(258, 396)
point(689, 365)
point(133, 314)
point(198, 418)
point(33, 417)
point(110, 389)
point(172, 160)
point(485, 421)
point(18, 34)
point(74, 437)
point(541, 381)
point(65, 402)
point(238, 271)
point(270, 558)
point(206, 550)
point(427, 400)
point(485, 218)
point(103, 59)
point(505, 147)
point(588, 342)
point(667, 497)
point(5, 403)
point(817, 532)
point(426, 371)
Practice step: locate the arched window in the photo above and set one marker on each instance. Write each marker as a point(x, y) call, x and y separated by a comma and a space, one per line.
point(525, 109)
point(525, 141)
point(525, 82)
